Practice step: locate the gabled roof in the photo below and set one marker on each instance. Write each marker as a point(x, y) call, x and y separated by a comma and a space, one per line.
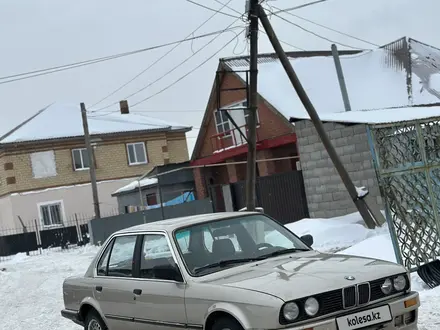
point(375, 79)
point(58, 121)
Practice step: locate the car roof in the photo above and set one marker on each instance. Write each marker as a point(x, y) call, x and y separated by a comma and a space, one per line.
point(171, 224)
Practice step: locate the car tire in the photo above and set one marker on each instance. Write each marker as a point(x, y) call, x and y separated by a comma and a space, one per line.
point(94, 322)
point(226, 323)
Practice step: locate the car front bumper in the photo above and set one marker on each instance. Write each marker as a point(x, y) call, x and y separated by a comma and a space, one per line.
point(72, 315)
point(403, 317)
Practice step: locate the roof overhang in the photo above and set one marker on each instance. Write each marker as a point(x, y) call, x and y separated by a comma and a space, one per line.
point(239, 150)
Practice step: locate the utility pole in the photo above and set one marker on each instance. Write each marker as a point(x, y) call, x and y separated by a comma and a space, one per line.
point(359, 201)
point(341, 79)
point(91, 161)
point(252, 106)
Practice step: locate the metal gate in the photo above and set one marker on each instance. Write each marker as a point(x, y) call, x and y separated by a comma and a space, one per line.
point(407, 162)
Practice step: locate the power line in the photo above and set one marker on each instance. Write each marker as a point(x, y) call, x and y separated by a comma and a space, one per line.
point(160, 58)
point(50, 70)
point(314, 33)
point(299, 7)
point(211, 9)
point(323, 26)
point(188, 73)
point(170, 71)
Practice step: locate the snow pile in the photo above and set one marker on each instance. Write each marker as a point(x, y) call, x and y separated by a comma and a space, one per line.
point(331, 235)
point(135, 185)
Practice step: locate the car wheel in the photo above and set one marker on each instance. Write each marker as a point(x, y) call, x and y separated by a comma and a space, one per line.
point(226, 323)
point(94, 322)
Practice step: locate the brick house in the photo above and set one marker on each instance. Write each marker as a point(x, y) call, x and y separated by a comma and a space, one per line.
point(44, 164)
point(400, 75)
point(220, 142)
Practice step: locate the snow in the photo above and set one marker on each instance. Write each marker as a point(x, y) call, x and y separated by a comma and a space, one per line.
point(361, 191)
point(135, 185)
point(372, 83)
point(43, 164)
point(64, 120)
point(31, 285)
point(30, 192)
point(380, 116)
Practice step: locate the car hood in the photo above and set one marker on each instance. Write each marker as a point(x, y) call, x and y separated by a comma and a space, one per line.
point(302, 274)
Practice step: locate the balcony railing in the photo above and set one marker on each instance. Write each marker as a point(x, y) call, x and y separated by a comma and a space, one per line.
point(229, 139)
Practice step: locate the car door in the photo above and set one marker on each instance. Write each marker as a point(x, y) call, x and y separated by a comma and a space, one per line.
point(160, 302)
point(115, 283)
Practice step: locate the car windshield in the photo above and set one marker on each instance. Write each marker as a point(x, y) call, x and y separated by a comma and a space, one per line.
point(213, 246)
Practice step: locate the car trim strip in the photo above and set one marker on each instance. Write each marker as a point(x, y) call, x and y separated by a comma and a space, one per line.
point(153, 322)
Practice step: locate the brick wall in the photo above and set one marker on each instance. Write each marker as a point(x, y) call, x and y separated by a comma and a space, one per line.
point(326, 194)
point(111, 162)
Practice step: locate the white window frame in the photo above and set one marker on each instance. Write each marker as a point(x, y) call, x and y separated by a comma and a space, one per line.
point(231, 126)
point(128, 153)
point(82, 160)
point(62, 213)
point(222, 124)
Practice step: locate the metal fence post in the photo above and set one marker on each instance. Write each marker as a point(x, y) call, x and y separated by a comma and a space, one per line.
point(37, 233)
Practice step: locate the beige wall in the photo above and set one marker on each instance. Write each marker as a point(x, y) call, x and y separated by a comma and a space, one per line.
point(111, 161)
point(75, 199)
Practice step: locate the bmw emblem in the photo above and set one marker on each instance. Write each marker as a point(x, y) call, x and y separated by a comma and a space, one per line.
point(349, 278)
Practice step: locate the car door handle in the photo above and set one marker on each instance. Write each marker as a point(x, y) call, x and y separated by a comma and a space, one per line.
point(98, 288)
point(137, 292)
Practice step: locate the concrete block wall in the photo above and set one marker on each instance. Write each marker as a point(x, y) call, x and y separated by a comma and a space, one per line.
point(326, 194)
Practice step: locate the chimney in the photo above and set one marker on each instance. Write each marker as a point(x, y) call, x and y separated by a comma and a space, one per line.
point(124, 107)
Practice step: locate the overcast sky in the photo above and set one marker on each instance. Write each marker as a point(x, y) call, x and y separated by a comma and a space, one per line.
point(36, 34)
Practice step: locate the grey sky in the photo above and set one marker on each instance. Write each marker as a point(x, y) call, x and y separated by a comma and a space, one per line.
point(43, 33)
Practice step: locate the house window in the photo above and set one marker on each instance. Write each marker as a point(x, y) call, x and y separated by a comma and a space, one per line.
point(80, 159)
point(151, 199)
point(51, 214)
point(137, 153)
point(222, 123)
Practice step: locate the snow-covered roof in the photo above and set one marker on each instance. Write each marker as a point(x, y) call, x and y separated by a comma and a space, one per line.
point(375, 80)
point(135, 185)
point(64, 120)
point(380, 116)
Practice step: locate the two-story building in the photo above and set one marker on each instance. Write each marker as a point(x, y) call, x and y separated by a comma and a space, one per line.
point(44, 165)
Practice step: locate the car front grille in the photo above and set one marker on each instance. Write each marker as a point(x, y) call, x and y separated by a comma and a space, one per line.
point(349, 297)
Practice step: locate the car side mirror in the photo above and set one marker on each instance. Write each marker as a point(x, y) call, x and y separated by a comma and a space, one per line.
point(168, 272)
point(307, 239)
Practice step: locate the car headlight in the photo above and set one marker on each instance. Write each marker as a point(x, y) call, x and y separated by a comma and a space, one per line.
point(399, 283)
point(387, 286)
point(291, 311)
point(311, 306)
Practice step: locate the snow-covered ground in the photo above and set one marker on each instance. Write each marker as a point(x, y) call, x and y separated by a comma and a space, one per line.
point(30, 287)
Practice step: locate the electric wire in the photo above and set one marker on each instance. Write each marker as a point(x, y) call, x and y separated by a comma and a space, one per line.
point(279, 11)
point(54, 69)
point(162, 57)
point(188, 73)
point(170, 71)
point(314, 33)
point(211, 9)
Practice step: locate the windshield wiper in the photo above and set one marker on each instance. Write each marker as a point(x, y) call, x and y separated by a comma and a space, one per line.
point(224, 263)
point(280, 252)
